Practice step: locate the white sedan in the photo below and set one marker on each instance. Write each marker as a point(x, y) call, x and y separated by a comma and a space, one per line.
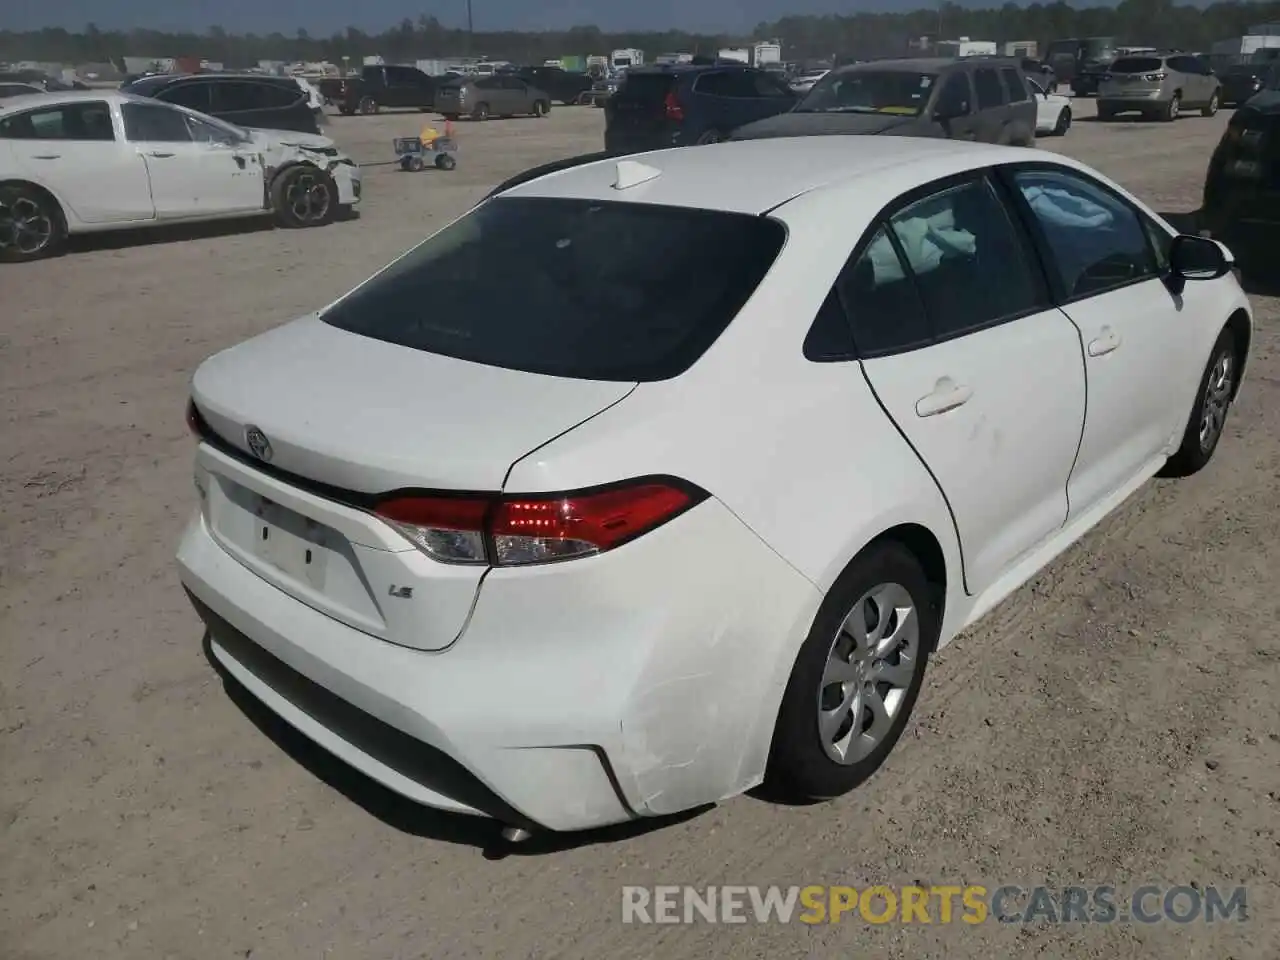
point(85, 161)
point(691, 496)
point(1053, 111)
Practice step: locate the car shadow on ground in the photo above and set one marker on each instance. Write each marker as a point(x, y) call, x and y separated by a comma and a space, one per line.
point(177, 232)
point(413, 818)
point(1254, 256)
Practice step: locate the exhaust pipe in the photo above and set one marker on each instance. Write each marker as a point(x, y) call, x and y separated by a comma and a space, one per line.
point(515, 834)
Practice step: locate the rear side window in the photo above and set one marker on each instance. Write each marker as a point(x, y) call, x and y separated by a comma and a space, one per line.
point(738, 84)
point(234, 96)
point(967, 259)
point(882, 300)
point(571, 288)
point(989, 89)
point(1014, 85)
point(196, 96)
point(1137, 65)
point(73, 121)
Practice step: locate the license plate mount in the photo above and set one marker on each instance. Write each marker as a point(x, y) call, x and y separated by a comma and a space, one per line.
point(293, 544)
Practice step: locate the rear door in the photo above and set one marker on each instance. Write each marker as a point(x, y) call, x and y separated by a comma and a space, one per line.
point(954, 100)
point(77, 152)
point(980, 374)
point(992, 117)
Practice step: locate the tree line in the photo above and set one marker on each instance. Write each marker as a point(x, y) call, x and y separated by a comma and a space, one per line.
point(1157, 23)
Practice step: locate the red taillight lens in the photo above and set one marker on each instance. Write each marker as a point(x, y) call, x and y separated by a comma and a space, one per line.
point(540, 528)
point(1154, 77)
point(450, 529)
point(671, 107)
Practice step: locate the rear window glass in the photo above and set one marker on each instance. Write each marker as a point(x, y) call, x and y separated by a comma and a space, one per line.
point(645, 86)
point(1137, 65)
point(572, 288)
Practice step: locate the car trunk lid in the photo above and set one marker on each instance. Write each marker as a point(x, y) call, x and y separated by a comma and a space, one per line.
point(640, 103)
point(307, 424)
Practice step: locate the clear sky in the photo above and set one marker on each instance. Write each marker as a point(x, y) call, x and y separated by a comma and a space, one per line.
point(323, 17)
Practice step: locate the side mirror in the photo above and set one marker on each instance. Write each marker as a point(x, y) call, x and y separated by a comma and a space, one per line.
point(950, 111)
point(1195, 258)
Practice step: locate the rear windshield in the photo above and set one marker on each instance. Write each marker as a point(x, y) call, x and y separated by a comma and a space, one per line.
point(571, 288)
point(1137, 65)
point(645, 86)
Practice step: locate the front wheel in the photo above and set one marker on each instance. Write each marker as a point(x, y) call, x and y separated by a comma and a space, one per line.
point(540, 108)
point(304, 196)
point(1064, 123)
point(857, 676)
point(1209, 415)
point(1172, 111)
point(445, 161)
point(1211, 108)
point(31, 225)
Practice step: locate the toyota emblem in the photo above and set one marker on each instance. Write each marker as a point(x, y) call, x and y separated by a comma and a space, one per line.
point(258, 443)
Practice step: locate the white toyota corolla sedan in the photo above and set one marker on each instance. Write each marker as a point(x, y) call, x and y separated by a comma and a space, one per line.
point(87, 161)
point(648, 479)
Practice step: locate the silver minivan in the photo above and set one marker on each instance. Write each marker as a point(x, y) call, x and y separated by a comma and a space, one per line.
point(1159, 86)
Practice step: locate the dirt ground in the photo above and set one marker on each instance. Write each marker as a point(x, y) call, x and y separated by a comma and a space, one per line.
point(1117, 721)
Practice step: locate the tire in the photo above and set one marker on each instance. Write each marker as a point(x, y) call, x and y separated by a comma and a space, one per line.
point(1064, 123)
point(31, 224)
point(368, 106)
point(413, 163)
point(1210, 109)
point(1174, 108)
point(445, 161)
point(541, 108)
point(807, 761)
point(481, 112)
point(1209, 414)
point(304, 196)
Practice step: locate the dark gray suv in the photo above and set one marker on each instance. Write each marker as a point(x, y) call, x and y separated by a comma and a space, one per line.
point(966, 98)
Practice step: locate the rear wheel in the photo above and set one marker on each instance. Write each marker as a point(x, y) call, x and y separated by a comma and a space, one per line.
point(857, 676)
point(1064, 123)
point(304, 196)
point(1211, 108)
point(540, 108)
point(368, 105)
point(31, 224)
point(481, 112)
point(1209, 415)
point(1174, 109)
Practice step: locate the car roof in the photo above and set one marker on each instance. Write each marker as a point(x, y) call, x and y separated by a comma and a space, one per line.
point(754, 176)
point(56, 98)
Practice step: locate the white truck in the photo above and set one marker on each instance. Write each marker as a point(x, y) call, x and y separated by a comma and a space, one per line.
point(624, 59)
point(766, 52)
point(737, 54)
point(964, 47)
point(1251, 48)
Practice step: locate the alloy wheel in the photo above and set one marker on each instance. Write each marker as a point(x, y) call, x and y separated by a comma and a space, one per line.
point(308, 198)
point(869, 670)
point(1217, 400)
point(25, 226)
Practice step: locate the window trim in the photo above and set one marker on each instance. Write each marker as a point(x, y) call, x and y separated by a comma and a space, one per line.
point(1036, 267)
point(1031, 224)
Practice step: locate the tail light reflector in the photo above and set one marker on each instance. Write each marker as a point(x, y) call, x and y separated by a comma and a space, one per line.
point(671, 108)
point(1153, 77)
point(508, 531)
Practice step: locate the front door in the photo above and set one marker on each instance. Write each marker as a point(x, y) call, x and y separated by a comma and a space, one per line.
point(1106, 272)
point(194, 169)
point(77, 151)
point(953, 105)
point(980, 374)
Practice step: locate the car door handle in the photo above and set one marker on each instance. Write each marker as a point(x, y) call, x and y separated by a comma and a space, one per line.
point(160, 154)
point(47, 156)
point(946, 395)
point(1109, 341)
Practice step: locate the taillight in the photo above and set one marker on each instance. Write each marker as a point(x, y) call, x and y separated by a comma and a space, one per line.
point(1153, 77)
point(508, 531)
point(671, 107)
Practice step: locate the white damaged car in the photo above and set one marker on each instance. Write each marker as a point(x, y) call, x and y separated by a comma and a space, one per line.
point(85, 161)
point(1053, 111)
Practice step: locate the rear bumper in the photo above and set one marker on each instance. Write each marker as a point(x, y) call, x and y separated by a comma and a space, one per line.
point(1132, 101)
point(642, 682)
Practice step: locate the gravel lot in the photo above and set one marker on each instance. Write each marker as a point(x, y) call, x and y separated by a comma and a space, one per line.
point(1117, 721)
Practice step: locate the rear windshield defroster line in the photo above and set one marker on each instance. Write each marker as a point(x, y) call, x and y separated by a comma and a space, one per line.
point(587, 289)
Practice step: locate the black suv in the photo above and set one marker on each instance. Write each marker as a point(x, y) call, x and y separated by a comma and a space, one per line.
point(961, 98)
point(1242, 186)
point(683, 104)
point(248, 100)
